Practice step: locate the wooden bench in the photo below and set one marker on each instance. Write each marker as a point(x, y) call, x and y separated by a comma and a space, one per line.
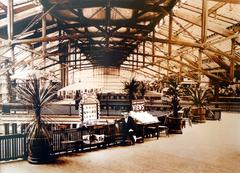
point(72, 145)
point(163, 129)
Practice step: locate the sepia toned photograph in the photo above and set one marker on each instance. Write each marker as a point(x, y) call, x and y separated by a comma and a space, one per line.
point(119, 86)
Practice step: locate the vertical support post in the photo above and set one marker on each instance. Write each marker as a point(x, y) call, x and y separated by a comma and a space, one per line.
point(144, 44)
point(199, 65)
point(153, 47)
point(203, 34)
point(132, 62)
point(61, 60)
point(137, 56)
point(10, 16)
point(14, 128)
point(10, 19)
point(180, 71)
point(107, 105)
point(169, 38)
point(44, 34)
point(6, 128)
point(97, 110)
point(232, 63)
point(108, 17)
point(204, 21)
point(80, 60)
point(82, 112)
point(25, 147)
point(67, 63)
point(70, 109)
point(23, 127)
point(75, 55)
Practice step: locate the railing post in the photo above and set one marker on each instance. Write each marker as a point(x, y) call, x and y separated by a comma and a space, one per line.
point(6, 128)
point(1, 148)
point(14, 128)
point(25, 152)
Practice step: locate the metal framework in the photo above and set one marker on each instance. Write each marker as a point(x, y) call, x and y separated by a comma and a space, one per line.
point(154, 37)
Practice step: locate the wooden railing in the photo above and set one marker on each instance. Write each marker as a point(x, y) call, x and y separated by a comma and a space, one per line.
point(12, 147)
point(58, 136)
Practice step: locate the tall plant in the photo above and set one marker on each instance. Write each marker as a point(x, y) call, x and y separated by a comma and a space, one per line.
point(142, 88)
point(198, 96)
point(36, 93)
point(173, 91)
point(131, 88)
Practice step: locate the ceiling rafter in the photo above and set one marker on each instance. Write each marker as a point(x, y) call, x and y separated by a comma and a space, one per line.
point(123, 36)
point(210, 11)
point(22, 15)
point(211, 26)
point(3, 6)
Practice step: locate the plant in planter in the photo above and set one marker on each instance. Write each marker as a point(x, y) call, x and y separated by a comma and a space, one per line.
point(175, 120)
point(131, 88)
point(37, 93)
point(142, 88)
point(199, 98)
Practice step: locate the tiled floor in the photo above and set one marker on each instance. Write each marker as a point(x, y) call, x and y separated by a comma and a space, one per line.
point(211, 147)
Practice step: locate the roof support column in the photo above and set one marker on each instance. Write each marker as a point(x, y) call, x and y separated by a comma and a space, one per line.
point(169, 38)
point(153, 47)
point(203, 35)
point(144, 46)
point(108, 18)
point(10, 19)
point(199, 65)
point(63, 48)
point(67, 63)
point(204, 21)
point(75, 54)
point(44, 33)
point(232, 62)
point(80, 65)
point(137, 56)
point(10, 28)
point(180, 71)
point(132, 62)
point(7, 97)
point(32, 58)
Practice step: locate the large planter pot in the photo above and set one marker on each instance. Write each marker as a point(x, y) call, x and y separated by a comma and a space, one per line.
point(38, 150)
point(175, 125)
point(202, 114)
point(199, 114)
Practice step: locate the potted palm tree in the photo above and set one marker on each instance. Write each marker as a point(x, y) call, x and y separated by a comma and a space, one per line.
point(175, 119)
point(131, 88)
point(199, 98)
point(37, 93)
point(142, 88)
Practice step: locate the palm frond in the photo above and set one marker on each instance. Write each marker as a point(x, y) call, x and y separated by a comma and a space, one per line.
point(36, 93)
point(198, 96)
point(131, 88)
